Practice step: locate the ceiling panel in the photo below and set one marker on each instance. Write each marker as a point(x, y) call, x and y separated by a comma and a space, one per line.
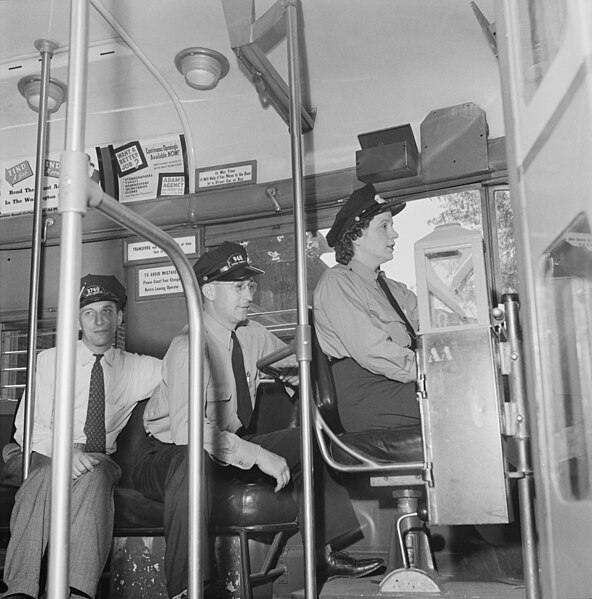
point(366, 64)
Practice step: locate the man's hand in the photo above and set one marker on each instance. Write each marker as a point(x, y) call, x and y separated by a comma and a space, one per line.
point(273, 465)
point(289, 376)
point(82, 462)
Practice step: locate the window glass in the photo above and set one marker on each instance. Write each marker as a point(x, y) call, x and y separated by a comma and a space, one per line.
point(505, 241)
point(452, 298)
point(13, 355)
point(541, 29)
point(274, 303)
point(567, 334)
point(418, 219)
point(13, 352)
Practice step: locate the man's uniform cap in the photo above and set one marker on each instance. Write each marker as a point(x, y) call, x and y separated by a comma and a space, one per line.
point(362, 203)
point(101, 288)
point(228, 262)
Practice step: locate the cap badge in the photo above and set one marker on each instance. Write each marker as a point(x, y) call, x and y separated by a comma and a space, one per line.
point(379, 199)
point(236, 260)
point(92, 290)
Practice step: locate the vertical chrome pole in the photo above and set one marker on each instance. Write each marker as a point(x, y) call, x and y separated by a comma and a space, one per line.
point(522, 436)
point(303, 333)
point(46, 48)
point(197, 500)
point(72, 206)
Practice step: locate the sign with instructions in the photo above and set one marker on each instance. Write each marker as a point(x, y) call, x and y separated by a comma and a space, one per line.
point(144, 251)
point(158, 281)
point(226, 175)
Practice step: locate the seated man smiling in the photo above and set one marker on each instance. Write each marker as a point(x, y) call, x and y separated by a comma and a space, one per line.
point(108, 384)
point(234, 344)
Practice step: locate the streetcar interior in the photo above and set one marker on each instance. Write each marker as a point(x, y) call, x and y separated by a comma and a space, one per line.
point(186, 123)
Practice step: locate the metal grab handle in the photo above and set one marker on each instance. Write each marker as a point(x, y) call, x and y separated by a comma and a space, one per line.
point(518, 399)
point(265, 363)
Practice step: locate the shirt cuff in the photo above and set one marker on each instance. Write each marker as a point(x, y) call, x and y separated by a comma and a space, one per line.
point(247, 454)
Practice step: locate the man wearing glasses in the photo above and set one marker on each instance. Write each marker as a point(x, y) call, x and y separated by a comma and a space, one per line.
point(234, 344)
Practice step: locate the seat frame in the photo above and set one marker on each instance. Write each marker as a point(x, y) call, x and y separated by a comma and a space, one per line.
point(130, 442)
point(405, 478)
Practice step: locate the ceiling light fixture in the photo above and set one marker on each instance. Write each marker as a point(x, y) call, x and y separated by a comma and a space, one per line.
point(201, 67)
point(30, 89)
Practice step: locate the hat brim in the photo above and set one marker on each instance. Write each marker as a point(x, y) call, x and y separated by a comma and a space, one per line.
point(100, 297)
point(236, 274)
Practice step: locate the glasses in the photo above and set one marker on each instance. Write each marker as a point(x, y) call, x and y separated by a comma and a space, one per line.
point(240, 286)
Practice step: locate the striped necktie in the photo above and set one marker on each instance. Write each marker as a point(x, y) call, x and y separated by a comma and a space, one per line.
point(94, 428)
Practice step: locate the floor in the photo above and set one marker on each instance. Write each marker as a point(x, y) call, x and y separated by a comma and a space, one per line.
point(368, 588)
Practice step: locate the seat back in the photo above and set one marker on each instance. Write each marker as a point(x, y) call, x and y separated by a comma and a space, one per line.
point(131, 442)
point(324, 391)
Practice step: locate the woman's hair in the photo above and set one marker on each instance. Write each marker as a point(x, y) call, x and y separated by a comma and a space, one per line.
point(344, 248)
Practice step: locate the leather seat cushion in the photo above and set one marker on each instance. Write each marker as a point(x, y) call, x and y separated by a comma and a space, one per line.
point(400, 445)
point(131, 442)
point(237, 503)
point(251, 504)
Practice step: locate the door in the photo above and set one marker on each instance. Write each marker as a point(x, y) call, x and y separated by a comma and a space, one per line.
point(546, 68)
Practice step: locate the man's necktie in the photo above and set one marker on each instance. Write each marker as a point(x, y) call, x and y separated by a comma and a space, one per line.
point(94, 428)
point(395, 304)
point(243, 396)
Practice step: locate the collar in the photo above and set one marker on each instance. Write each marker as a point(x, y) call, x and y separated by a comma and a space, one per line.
point(363, 271)
point(219, 330)
point(85, 355)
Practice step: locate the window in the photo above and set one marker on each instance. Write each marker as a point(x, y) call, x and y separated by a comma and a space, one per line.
point(274, 304)
point(542, 27)
point(13, 354)
point(567, 353)
point(419, 218)
point(505, 243)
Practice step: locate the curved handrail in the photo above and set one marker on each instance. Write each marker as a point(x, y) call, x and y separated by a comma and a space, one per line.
point(322, 429)
point(136, 223)
point(367, 464)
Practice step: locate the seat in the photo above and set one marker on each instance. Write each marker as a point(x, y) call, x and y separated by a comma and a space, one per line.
point(248, 514)
point(135, 515)
point(250, 522)
point(392, 458)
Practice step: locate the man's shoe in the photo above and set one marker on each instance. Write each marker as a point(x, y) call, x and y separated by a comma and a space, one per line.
point(339, 564)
